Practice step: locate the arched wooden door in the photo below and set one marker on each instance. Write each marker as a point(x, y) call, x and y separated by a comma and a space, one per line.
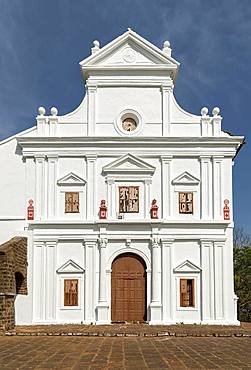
point(128, 288)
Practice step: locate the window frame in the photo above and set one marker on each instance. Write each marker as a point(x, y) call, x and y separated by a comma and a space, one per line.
point(72, 211)
point(186, 202)
point(129, 186)
point(192, 293)
point(77, 293)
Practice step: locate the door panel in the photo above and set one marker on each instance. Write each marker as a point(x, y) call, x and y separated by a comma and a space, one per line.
point(128, 288)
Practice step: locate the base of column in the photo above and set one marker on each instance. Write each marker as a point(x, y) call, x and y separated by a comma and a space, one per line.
point(155, 313)
point(102, 313)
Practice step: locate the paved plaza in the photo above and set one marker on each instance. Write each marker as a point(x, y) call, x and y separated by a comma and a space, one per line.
point(73, 352)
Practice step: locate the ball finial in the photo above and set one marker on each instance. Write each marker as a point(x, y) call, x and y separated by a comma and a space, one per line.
point(96, 44)
point(204, 111)
point(41, 111)
point(216, 111)
point(166, 44)
point(54, 111)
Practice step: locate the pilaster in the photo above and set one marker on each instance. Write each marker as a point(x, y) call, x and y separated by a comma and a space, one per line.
point(219, 279)
point(217, 187)
point(206, 187)
point(91, 117)
point(90, 283)
point(166, 162)
point(40, 205)
point(102, 309)
point(155, 306)
point(91, 186)
point(111, 198)
point(52, 179)
point(167, 277)
point(147, 186)
point(166, 91)
point(207, 280)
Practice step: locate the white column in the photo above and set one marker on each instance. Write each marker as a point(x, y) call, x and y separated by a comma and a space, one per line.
point(205, 187)
point(102, 309)
point(91, 187)
point(147, 185)
point(166, 109)
point(207, 281)
point(90, 283)
point(217, 188)
point(52, 185)
point(156, 306)
point(166, 187)
point(111, 198)
point(167, 277)
point(91, 94)
point(39, 203)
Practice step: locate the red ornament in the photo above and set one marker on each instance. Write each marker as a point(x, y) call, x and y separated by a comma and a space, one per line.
point(30, 210)
point(154, 209)
point(226, 210)
point(102, 210)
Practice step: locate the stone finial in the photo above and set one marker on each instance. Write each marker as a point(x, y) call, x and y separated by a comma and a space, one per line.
point(129, 29)
point(216, 111)
point(204, 111)
point(167, 48)
point(54, 111)
point(96, 46)
point(41, 111)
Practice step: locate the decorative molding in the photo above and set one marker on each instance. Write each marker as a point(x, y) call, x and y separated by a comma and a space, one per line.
point(185, 179)
point(129, 164)
point(70, 267)
point(187, 267)
point(71, 179)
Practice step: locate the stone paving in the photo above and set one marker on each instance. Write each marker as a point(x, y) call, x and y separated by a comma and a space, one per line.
point(134, 330)
point(75, 353)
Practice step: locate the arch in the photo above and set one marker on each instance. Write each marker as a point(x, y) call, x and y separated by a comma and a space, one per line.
point(129, 288)
point(19, 281)
point(129, 250)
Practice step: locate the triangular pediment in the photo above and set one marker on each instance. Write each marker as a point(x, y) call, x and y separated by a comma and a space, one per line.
point(71, 179)
point(70, 267)
point(187, 266)
point(128, 164)
point(129, 49)
point(185, 179)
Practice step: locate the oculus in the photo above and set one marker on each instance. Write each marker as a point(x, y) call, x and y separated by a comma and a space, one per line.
point(129, 124)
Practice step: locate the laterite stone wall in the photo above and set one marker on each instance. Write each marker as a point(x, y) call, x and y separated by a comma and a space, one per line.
point(13, 278)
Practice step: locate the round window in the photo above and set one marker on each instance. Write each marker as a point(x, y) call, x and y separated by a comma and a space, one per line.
point(129, 124)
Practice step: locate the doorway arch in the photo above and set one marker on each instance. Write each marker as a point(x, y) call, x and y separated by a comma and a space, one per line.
point(128, 288)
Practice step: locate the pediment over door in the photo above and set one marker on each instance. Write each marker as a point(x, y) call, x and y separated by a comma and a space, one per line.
point(129, 165)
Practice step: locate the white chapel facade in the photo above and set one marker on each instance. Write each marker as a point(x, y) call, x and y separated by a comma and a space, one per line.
point(126, 202)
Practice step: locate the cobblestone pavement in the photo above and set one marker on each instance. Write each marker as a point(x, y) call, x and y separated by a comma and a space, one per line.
point(64, 352)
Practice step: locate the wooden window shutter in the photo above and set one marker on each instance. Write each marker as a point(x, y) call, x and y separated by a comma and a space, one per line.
point(71, 202)
point(187, 297)
point(70, 292)
point(185, 202)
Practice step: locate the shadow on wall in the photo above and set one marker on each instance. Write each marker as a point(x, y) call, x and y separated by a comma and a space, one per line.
point(13, 278)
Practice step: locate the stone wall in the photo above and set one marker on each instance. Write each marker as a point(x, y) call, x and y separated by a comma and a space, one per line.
point(13, 278)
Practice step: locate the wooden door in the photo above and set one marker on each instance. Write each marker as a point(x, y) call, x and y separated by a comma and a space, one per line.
point(128, 288)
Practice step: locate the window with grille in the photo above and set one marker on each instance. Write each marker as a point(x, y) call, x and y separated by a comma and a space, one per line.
point(70, 292)
point(185, 202)
point(187, 293)
point(128, 199)
point(71, 202)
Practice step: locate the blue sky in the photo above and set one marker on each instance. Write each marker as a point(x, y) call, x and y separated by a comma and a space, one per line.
point(41, 43)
